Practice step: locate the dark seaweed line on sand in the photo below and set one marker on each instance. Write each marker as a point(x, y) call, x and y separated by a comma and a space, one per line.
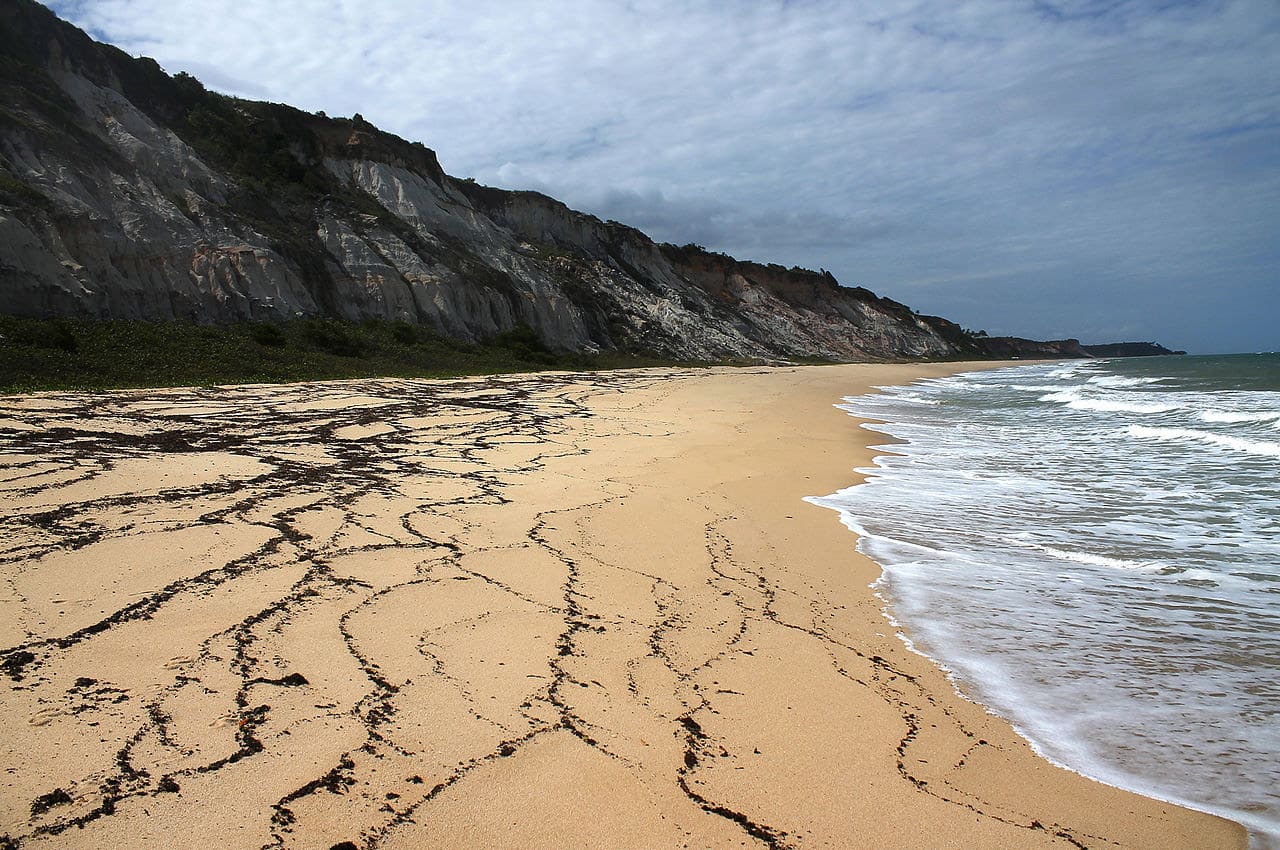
point(513, 402)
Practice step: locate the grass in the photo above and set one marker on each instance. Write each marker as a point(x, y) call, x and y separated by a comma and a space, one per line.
point(85, 354)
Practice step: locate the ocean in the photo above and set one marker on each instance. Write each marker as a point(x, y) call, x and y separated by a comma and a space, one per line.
point(1092, 550)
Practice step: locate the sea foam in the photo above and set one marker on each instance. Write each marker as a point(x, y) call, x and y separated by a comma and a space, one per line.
point(1093, 551)
point(1103, 560)
point(1121, 381)
point(1239, 415)
point(1078, 401)
point(1239, 444)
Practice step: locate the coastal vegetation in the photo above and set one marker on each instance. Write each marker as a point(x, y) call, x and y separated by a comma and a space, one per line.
point(87, 354)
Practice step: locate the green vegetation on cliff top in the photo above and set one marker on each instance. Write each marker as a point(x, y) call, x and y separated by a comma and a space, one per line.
point(85, 354)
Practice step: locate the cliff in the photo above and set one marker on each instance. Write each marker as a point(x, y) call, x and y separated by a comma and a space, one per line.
point(127, 193)
point(1014, 347)
point(1128, 349)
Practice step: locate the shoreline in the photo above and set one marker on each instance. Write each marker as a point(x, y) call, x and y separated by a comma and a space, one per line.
point(549, 610)
point(1007, 699)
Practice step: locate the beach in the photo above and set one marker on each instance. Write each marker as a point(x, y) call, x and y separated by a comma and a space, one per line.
point(541, 611)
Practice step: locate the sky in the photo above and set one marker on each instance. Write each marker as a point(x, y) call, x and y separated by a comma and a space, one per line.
point(1100, 169)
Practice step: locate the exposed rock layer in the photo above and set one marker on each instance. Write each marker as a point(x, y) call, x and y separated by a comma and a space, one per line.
point(126, 193)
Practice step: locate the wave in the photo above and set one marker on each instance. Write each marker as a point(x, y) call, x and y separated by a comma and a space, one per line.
point(1239, 415)
point(1121, 381)
point(1033, 388)
point(1103, 560)
point(1070, 370)
point(912, 398)
point(1239, 444)
point(957, 383)
point(1075, 401)
point(1019, 535)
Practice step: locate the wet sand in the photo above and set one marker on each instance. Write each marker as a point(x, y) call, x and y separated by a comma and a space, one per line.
point(545, 611)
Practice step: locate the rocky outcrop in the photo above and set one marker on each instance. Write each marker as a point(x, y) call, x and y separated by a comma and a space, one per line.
point(127, 193)
point(1013, 347)
point(1128, 349)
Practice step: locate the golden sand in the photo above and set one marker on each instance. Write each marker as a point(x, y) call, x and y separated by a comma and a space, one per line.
point(547, 611)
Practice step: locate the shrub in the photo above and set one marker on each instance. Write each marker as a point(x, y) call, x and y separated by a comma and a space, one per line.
point(266, 334)
point(335, 338)
point(524, 342)
point(55, 334)
point(404, 333)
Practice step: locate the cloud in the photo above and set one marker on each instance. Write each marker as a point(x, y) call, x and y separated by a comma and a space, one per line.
point(992, 158)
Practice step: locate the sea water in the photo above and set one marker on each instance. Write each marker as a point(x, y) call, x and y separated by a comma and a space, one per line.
point(1092, 550)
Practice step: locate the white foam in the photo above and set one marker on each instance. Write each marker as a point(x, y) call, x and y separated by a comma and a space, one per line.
point(912, 398)
point(1120, 406)
point(1233, 416)
point(1200, 575)
point(956, 383)
point(1036, 388)
point(1076, 401)
point(1062, 396)
point(1239, 444)
point(1115, 573)
point(1103, 560)
point(1121, 381)
point(1069, 371)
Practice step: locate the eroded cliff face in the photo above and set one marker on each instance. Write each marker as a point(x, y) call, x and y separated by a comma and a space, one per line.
point(125, 193)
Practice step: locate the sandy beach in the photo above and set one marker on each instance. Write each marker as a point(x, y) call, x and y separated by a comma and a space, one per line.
point(534, 611)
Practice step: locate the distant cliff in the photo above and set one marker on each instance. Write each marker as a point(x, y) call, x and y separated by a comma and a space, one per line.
point(1128, 349)
point(1012, 346)
point(127, 193)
